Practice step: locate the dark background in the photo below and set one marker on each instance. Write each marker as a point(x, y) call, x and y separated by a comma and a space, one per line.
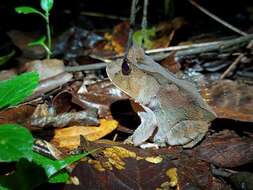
point(66, 14)
point(235, 12)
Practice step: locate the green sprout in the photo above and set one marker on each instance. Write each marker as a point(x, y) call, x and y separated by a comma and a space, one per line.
point(143, 38)
point(46, 5)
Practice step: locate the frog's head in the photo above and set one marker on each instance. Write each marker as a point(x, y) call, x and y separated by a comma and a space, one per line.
point(132, 80)
point(125, 76)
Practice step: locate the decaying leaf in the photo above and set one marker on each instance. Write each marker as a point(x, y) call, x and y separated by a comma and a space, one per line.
point(127, 168)
point(99, 96)
point(64, 119)
point(232, 100)
point(50, 84)
point(7, 74)
point(226, 150)
point(70, 137)
point(46, 68)
point(137, 174)
point(118, 39)
point(20, 114)
point(74, 42)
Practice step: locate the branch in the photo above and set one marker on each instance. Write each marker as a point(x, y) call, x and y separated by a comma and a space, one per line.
point(223, 22)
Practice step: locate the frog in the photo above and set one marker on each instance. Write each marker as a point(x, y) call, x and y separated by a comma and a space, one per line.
point(174, 113)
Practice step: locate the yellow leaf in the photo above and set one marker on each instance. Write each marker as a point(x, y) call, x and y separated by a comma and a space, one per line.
point(154, 160)
point(70, 137)
point(172, 174)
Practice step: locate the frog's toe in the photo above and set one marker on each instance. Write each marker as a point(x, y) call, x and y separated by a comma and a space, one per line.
point(160, 143)
point(129, 140)
point(194, 141)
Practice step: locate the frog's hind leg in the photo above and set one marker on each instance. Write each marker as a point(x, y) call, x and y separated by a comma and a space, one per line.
point(187, 133)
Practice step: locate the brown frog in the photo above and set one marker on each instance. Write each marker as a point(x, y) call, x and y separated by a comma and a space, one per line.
point(175, 113)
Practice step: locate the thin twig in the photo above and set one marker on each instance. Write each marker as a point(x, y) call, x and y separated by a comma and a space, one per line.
point(144, 21)
point(232, 66)
point(131, 30)
point(88, 67)
point(161, 53)
point(194, 49)
point(181, 47)
point(235, 63)
point(95, 14)
point(231, 27)
point(221, 46)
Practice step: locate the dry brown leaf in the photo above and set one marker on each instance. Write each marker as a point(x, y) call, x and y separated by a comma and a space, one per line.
point(231, 100)
point(46, 68)
point(226, 149)
point(70, 137)
point(20, 114)
point(124, 169)
point(7, 74)
point(116, 41)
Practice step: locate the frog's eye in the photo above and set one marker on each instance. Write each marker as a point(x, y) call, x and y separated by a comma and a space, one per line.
point(126, 70)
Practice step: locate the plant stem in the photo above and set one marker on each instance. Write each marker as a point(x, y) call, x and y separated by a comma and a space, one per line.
point(144, 23)
point(48, 36)
point(132, 25)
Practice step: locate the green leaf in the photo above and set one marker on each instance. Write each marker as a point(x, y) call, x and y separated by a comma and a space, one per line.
point(16, 89)
point(146, 37)
point(7, 57)
point(60, 177)
point(28, 10)
point(51, 167)
point(39, 41)
point(15, 143)
point(46, 5)
point(3, 188)
point(27, 176)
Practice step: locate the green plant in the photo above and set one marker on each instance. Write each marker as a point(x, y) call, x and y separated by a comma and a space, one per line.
point(32, 169)
point(46, 5)
point(144, 38)
point(16, 89)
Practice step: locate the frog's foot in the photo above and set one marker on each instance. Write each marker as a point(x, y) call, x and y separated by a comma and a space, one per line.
point(160, 143)
point(187, 133)
point(146, 128)
point(129, 140)
point(194, 141)
point(149, 145)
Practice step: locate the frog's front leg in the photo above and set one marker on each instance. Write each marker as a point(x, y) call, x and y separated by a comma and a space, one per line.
point(147, 127)
point(187, 133)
